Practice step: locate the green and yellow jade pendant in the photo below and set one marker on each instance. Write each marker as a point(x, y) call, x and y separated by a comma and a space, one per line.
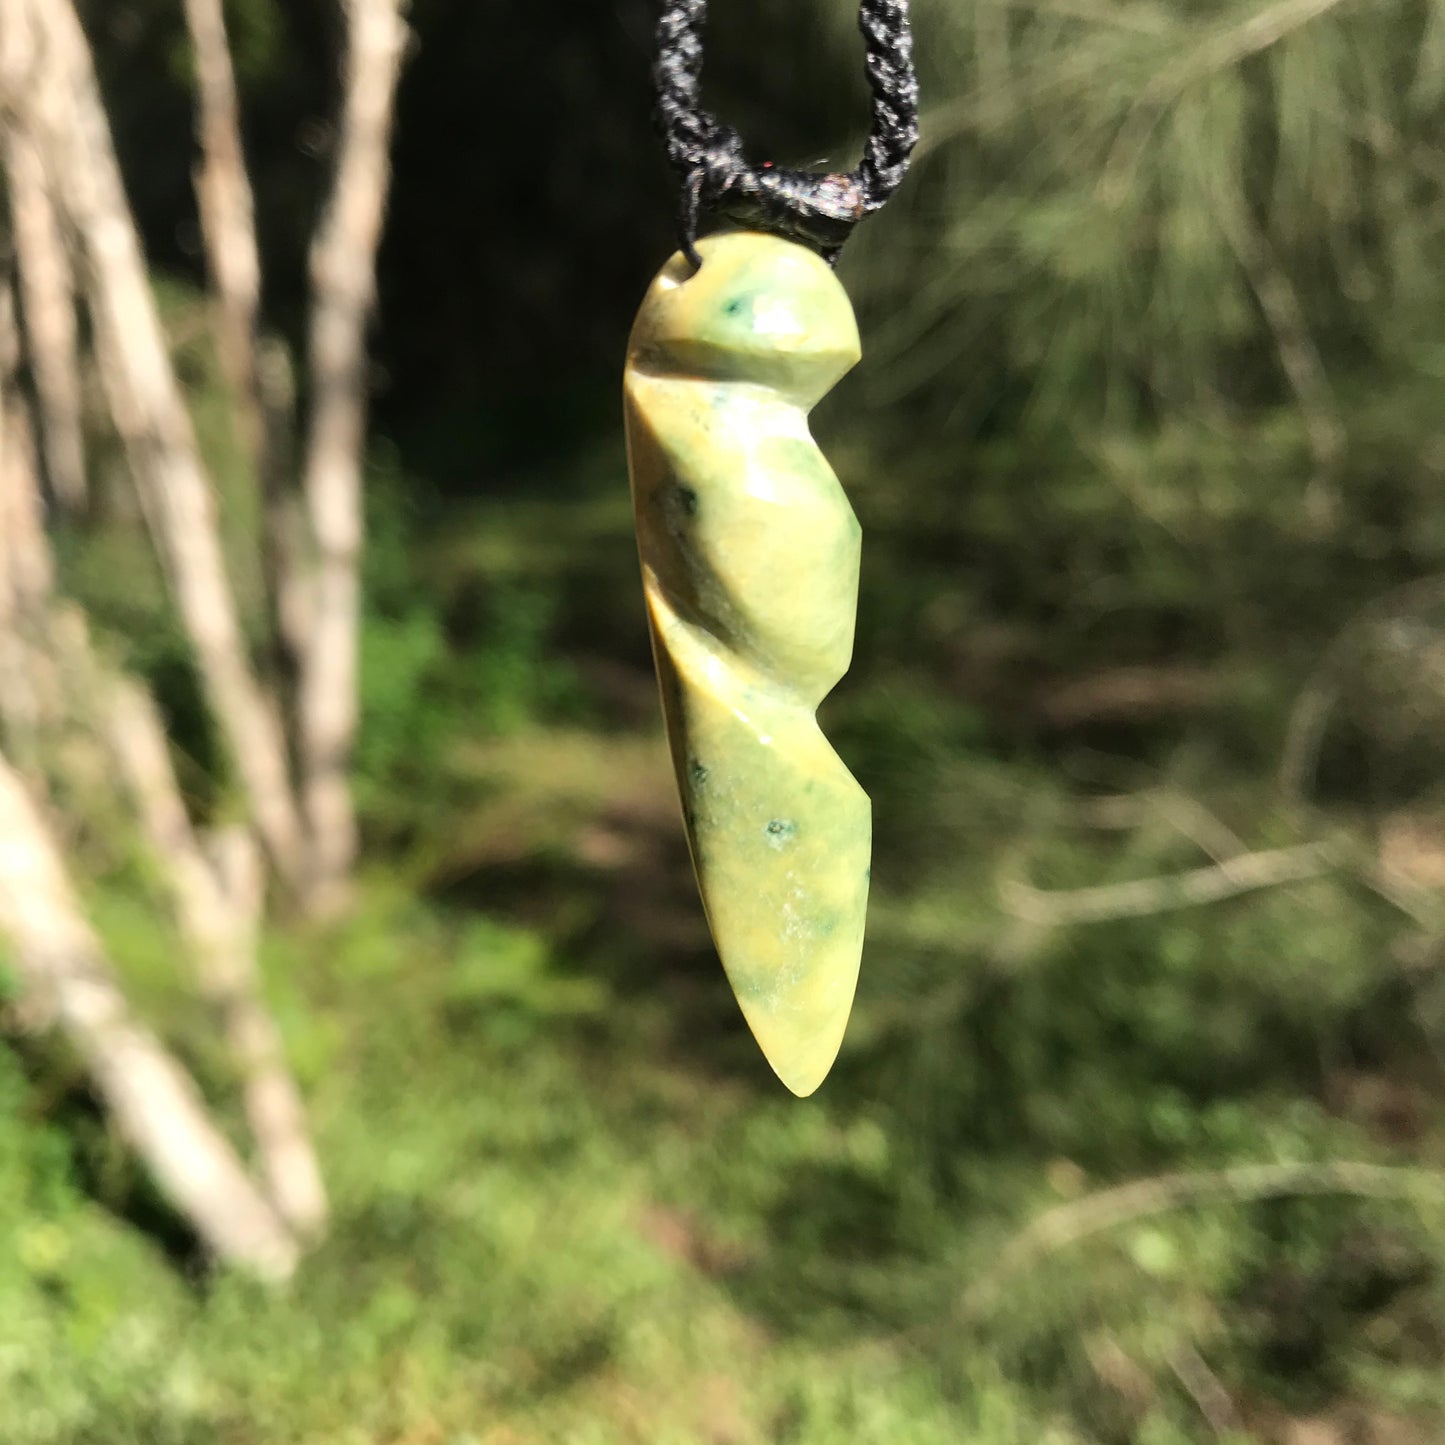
point(749, 556)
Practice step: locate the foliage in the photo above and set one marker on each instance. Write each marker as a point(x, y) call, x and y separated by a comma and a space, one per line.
point(1147, 451)
point(573, 1206)
point(437, 668)
point(558, 1230)
point(1132, 213)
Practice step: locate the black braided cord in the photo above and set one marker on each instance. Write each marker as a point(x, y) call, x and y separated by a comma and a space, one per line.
point(817, 209)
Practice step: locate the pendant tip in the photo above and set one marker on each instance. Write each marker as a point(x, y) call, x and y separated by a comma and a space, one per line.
point(802, 1084)
point(803, 1071)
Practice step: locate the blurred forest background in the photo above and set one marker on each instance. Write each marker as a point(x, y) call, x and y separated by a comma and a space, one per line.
point(1136, 1133)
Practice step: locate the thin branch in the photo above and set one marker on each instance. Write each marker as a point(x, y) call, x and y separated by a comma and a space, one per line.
point(1299, 357)
point(228, 222)
point(258, 368)
point(1218, 51)
point(27, 573)
point(1207, 1391)
point(1192, 820)
point(218, 907)
point(1186, 816)
point(1069, 1224)
point(48, 291)
point(1138, 898)
point(1304, 737)
point(1121, 1373)
point(30, 697)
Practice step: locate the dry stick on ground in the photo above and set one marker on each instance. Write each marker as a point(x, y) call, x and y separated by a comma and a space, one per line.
point(48, 293)
point(57, 93)
point(153, 1101)
point(343, 277)
point(1096, 1213)
point(1141, 897)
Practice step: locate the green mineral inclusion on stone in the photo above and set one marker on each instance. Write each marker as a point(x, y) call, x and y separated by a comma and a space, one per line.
point(750, 564)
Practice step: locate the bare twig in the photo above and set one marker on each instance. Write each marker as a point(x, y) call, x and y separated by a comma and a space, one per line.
point(1299, 357)
point(1305, 732)
point(1204, 1387)
point(1192, 820)
point(343, 276)
point(1219, 50)
point(1129, 693)
point(1097, 1213)
point(228, 224)
point(1243, 874)
point(1121, 1373)
point(1185, 815)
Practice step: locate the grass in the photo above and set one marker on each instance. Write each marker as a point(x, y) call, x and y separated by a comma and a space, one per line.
point(571, 1206)
point(571, 1203)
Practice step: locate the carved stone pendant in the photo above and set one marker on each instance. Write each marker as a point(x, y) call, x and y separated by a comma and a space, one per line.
point(750, 565)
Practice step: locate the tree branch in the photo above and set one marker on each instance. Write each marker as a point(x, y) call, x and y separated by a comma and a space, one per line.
point(1299, 357)
point(1108, 1208)
point(258, 368)
point(57, 91)
point(30, 694)
point(218, 907)
point(1219, 49)
point(152, 1099)
point(218, 902)
point(228, 223)
point(27, 572)
point(1144, 896)
point(343, 260)
point(47, 289)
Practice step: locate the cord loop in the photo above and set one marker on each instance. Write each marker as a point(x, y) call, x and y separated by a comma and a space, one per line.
point(709, 159)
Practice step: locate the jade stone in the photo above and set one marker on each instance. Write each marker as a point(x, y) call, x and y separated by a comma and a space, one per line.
point(749, 556)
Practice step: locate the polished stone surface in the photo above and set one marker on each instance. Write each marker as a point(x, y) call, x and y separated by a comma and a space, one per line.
point(750, 565)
